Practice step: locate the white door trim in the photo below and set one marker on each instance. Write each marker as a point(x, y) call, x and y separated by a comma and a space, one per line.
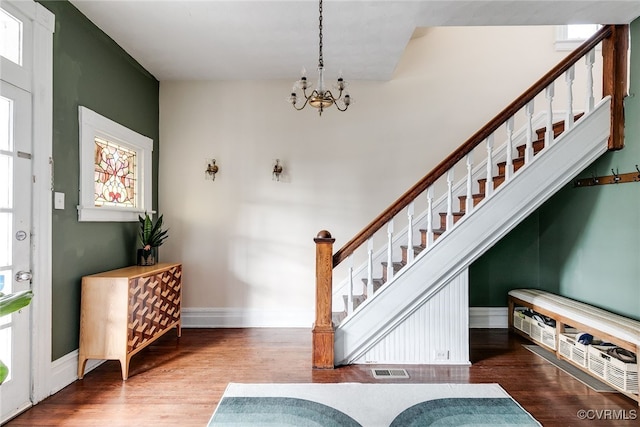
point(44, 22)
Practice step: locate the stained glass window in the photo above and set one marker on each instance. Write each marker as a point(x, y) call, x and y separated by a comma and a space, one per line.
point(115, 174)
point(115, 170)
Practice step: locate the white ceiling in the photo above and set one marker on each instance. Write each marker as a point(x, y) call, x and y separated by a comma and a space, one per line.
point(255, 40)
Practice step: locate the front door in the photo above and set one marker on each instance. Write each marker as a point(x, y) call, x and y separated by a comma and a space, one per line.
point(15, 241)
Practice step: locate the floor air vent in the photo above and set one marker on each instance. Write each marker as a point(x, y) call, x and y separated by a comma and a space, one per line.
point(389, 373)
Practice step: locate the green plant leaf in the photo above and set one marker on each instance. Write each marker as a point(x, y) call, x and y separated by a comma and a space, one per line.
point(4, 372)
point(14, 302)
point(151, 233)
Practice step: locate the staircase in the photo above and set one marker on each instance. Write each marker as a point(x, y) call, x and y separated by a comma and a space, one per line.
point(498, 179)
point(415, 309)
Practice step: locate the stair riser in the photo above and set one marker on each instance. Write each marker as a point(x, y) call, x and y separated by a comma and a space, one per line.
point(423, 236)
point(443, 218)
point(477, 198)
point(537, 146)
point(396, 267)
point(416, 251)
point(377, 284)
point(497, 180)
point(517, 164)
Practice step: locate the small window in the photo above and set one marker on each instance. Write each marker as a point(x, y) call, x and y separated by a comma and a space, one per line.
point(115, 170)
point(569, 37)
point(10, 37)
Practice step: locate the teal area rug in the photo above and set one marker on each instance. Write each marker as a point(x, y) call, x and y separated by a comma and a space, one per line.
point(368, 405)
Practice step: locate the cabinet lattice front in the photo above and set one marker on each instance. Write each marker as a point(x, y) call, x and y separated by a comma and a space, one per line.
point(125, 310)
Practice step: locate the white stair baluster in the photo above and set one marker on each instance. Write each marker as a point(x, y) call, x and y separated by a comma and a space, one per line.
point(590, 59)
point(410, 253)
point(350, 295)
point(390, 251)
point(569, 76)
point(508, 171)
point(488, 186)
point(370, 268)
point(528, 152)
point(548, 135)
point(468, 207)
point(429, 240)
point(449, 199)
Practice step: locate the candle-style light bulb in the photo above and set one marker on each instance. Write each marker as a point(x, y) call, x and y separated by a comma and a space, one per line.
point(320, 80)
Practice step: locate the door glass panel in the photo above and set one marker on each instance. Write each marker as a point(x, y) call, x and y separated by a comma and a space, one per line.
point(5, 240)
point(10, 37)
point(6, 106)
point(5, 288)
point(5, 349)
point(6, 181)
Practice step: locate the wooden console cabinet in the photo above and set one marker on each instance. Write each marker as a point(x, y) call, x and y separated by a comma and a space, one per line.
point(125, 310)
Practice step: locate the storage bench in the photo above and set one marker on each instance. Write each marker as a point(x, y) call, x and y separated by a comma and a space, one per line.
point(572, 316)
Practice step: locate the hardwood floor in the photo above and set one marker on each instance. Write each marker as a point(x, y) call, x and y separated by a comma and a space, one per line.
point(179, 382)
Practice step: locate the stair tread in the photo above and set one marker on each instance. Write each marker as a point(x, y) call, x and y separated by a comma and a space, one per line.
point(337, 317)
point(395, 263)
point(495, 176)
point(453, 213)
point(459, 213)
point(415, 247)
point(476, 195)
point(516, 159)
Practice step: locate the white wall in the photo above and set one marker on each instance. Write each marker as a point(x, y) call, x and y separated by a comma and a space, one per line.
point(246, 241)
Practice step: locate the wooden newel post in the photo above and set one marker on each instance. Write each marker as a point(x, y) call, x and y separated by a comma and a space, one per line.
point(323, 326)
point(614, 72)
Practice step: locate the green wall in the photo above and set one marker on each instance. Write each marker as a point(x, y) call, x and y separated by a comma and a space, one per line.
point(90, 69)
point(583, 243)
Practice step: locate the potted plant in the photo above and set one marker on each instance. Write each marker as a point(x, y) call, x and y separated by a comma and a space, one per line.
point(8, 304)
point(151, 236)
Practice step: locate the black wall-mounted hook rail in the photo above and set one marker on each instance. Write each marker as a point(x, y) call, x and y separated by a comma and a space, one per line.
point(615, 178)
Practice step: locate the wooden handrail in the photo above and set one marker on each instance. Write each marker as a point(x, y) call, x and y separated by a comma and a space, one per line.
point(470, 144)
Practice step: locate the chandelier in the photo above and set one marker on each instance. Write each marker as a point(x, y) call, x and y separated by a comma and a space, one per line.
point(320, 98)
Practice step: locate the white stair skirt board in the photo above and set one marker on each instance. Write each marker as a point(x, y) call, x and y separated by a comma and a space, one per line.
point(474, 234)
point(246, 318)
point(436, 333)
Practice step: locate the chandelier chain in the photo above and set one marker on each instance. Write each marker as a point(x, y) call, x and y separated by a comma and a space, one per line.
point(320, 58)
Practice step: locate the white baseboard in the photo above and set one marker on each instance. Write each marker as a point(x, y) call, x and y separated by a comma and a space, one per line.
point(488, 317)
point(245, 318)
point(64, 370)
point(479, 317)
